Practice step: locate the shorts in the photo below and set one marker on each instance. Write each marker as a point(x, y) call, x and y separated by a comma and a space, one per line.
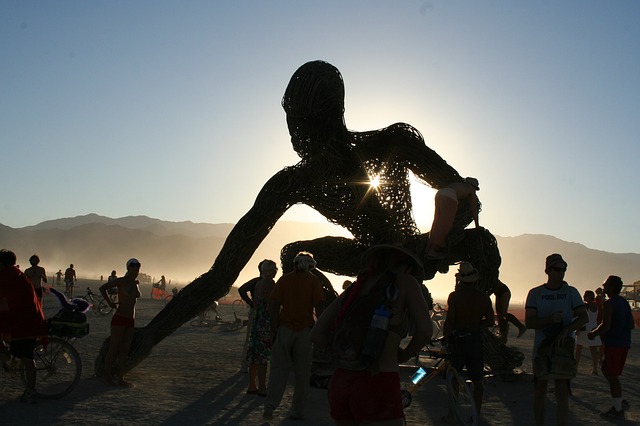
point(361, 397)
point(466, 350)
point(39, 292)
point(22, 348)
point(614, 359)
point(121, 321)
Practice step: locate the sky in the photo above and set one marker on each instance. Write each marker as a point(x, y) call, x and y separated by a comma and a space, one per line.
point(171, 109)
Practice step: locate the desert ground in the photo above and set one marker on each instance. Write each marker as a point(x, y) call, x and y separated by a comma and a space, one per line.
point(193, 378)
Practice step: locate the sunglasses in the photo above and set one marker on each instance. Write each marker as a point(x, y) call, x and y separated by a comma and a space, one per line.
point(135, 265)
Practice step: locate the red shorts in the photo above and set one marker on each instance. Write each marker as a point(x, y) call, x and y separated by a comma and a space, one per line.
point(360, 397)
point(614, 359)
point(119, 321)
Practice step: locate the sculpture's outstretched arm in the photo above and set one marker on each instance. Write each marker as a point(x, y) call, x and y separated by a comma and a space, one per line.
point(276, 196)
point(410, 149)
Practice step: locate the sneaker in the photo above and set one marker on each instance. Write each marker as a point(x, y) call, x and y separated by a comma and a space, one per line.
point(613, 414)
point(267, 414)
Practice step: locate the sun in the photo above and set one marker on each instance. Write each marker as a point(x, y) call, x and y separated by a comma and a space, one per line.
point(374, 182)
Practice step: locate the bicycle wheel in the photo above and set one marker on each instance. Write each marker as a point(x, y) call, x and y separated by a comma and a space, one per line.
point(240, 308)
point(104, 308)
point(58, 369)
point(231, 326)
point(461, 398)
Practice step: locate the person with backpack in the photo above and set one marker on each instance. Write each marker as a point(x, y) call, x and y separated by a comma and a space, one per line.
point(362, 330)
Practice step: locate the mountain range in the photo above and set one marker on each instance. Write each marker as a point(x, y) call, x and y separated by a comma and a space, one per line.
point(183, 250)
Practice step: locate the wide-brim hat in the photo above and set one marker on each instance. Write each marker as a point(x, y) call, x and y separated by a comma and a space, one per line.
point(390, 249)
point(467, 273)
point(554, 260)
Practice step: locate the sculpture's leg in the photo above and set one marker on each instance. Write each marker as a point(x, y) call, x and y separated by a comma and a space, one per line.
point(480, 248)
point(336, 255)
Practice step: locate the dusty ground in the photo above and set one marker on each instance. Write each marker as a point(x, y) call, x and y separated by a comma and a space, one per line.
point(192, 377)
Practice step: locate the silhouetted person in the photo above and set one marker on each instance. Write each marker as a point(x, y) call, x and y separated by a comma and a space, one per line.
point(615, 331)
point(36, 275)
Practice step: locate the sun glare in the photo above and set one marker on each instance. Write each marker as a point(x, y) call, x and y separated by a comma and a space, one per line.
point(374, 182)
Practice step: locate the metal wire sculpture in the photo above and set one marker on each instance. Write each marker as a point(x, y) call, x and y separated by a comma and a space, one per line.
point(357, 180)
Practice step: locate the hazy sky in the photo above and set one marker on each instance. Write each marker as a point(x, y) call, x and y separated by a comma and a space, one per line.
point(171, 109)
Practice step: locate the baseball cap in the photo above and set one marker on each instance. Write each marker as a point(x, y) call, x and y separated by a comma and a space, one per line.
point(133, 260)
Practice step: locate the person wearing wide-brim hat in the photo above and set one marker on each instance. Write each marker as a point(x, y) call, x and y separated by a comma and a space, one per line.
point(469, 310)
point(381, 264)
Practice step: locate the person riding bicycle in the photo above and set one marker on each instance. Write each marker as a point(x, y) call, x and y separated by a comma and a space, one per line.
point(22, 320)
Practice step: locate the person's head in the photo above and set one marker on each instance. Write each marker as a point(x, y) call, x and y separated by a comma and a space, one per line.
point(467, 273)
point(612, 285)
point(71, 266)
point(392, 257)
point(473, 182)
point(304, 262)
point(589, 296)
point(7, 258)
point(314, 103)
point(34, 260)
point(133, 267)
point(113, 273)
point(555, 267)
point(268, 268)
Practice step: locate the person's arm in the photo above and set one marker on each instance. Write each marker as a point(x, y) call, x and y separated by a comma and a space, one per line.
point(449, 321)
point(531, 319)
point(488, 319)
point(419, 313)
point(104, 288)
point(605, 325)
point(473, 204)
point(247, 287)
point(580, 318)
point(320, 331)
point(44, 275)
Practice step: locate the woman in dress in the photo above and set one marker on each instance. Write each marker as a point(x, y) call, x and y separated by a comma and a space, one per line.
point(259, 350)
point(582, 339)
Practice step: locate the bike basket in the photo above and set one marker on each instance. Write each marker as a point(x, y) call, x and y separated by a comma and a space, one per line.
point(68, 329)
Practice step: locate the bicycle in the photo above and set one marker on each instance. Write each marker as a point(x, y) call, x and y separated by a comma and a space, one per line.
point(237, 324)
point(459, 393)
point(97, 303)
point(58, 368)
point(207, 318)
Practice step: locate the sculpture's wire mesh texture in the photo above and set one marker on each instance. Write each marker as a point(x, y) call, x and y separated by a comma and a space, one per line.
point(357, 180)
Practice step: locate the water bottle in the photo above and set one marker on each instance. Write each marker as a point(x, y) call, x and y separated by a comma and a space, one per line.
point(418, 375)
point(377, 334)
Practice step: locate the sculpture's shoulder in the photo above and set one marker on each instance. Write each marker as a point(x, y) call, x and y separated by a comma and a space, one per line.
point(390, 138)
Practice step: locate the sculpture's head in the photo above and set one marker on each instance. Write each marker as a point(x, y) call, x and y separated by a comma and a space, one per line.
point(314, 103)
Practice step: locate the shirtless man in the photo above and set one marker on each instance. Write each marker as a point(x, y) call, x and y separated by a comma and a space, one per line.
point(36, 275)
point(358, 397)
point(468, 312)
point(446, 206)
point(122, 322)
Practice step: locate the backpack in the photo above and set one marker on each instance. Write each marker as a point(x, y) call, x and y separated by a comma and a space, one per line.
point(348, 335)
point(69, 323)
